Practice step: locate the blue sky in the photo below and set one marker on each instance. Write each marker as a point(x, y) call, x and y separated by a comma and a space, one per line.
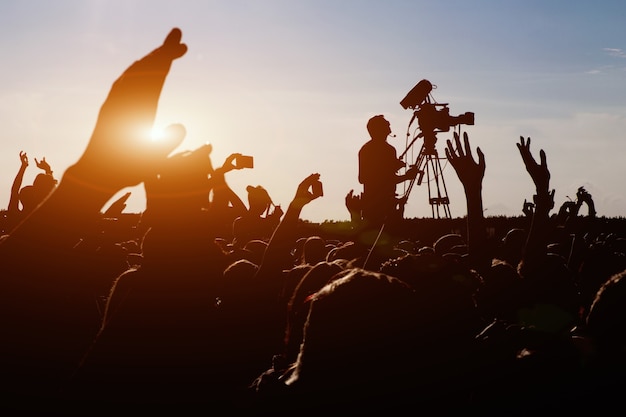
point(294, 82)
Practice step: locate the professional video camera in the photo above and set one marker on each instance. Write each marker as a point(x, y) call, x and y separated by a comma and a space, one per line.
point(439, 120)
point(432, 117)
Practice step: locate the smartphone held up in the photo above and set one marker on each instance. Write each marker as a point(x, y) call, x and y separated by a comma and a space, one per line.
point(244, 161)
point(316, 189)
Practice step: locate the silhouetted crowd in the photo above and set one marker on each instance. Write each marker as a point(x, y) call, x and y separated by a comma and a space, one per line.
point(207, 304)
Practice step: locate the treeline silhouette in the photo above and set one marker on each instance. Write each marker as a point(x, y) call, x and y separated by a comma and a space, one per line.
point(126, 226)
point(205, 304)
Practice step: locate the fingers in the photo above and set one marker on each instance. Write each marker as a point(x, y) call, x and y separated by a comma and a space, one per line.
point(481, 157)
point(172, 45)
point(542, 156)
point(173, 37)
point(468, 149)
point(231, 158)
point(449, 149)
point(306, 183)
point(523, 145)
point(522, 140)
point(309, 182)
point(312, 178)
point(451, 152)
point(459, 149)
point(463, 152)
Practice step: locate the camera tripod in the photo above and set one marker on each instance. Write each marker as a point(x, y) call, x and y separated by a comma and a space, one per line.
point(428, 163)
point(432, 118)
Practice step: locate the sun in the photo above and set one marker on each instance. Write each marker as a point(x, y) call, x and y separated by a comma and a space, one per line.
point(157, 134)
point(175, 132)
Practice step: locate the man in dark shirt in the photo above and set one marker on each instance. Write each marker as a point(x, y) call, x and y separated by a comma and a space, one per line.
point(378, 167)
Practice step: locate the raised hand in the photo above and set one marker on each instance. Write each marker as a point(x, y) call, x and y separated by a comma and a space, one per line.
point(229, 163)
point(353, 202)
point(24, 158)
point(582, 195)
point(120, 152)
point(538, 172)
point(535, 248)
point(42, 297)
point(470, 172)
point(44, 165)
point(528, 209)
point(14, 206)
point(284, 235)
point(306, 190)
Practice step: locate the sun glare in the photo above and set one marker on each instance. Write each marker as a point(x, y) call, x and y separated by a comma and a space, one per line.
point(175, 132)
point(157, 134)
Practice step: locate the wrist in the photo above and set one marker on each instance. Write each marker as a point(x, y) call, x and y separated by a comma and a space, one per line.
point(473, 191)
point(543, 201)
point(295, 208)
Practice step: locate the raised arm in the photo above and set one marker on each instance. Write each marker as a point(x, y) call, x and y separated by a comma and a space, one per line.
point(354, 206)
point(285, 233)
point(226, 204)
point(48, 314)
point(535, 248)
point(44, 165)
point(17, 184)
point(119, 154)
point(471, 174)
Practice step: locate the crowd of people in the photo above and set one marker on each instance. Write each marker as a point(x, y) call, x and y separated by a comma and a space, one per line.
point(212, 305)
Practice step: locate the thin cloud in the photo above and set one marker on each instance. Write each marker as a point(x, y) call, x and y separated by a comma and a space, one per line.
point(616, 52)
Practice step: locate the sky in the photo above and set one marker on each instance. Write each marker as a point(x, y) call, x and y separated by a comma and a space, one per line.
point(293, 84)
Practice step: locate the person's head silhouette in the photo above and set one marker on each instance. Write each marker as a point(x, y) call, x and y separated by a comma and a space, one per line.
point(32, 195)
point(378, 127)
point(259, 200)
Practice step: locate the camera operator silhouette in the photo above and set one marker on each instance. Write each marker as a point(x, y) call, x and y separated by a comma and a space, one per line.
point(378, 172)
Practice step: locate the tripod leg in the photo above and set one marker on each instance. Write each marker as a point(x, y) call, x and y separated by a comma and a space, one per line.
point(445, 201)
point(429, 165)
point(434, 168)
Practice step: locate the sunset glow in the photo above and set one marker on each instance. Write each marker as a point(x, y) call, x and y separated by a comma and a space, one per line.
point(294, 83)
